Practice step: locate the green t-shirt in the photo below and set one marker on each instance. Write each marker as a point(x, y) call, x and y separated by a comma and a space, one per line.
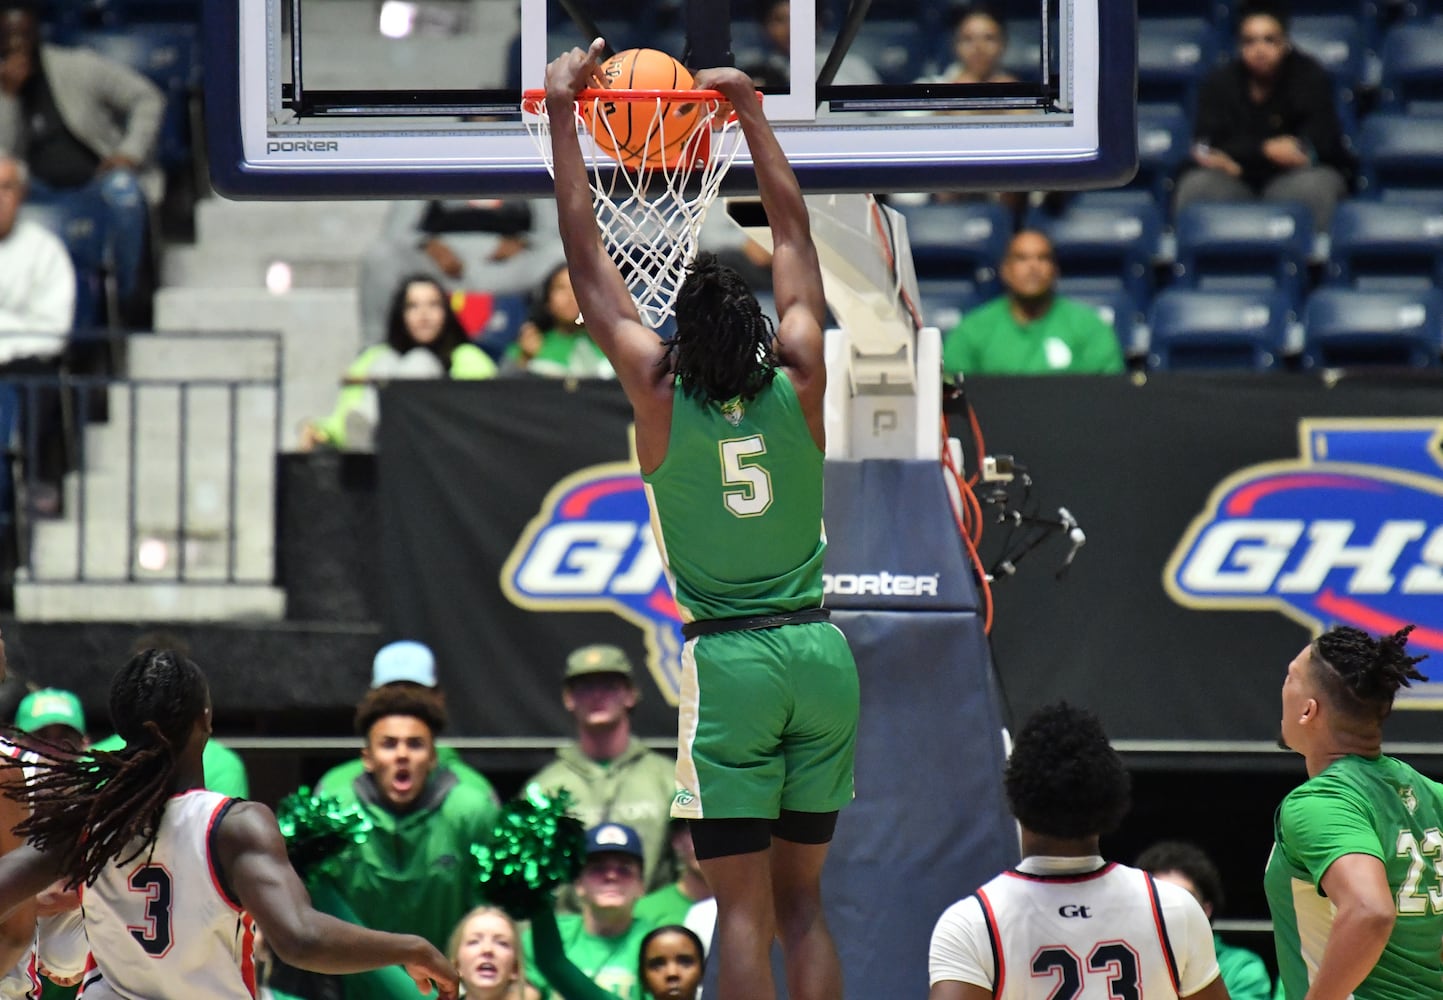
point(467, 362)
point(1244, 973)
point(1069, 339)
point(225, 772)
point(668, 905)
point(565, 353)
point(611, 963)
point(1383, 808)
point(738, 499)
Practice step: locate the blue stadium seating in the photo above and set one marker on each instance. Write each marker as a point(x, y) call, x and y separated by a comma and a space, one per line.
point(1173, 55)
point(1385, 245)
point(962, 240)
point(1412, 65)
point(169, 56)
point(1345, 327)
point(895, 49)
point(1213, 330)
point(503, 326)
point(1164, 135)
point(1336, 41)
point(944, 302)
point(1112, 245)
point(79, 221)
point(1400, 151)
point(124, 12)
point(1213, 11)
point(1118, 310)
point(1023, 56)
point(1254, 245)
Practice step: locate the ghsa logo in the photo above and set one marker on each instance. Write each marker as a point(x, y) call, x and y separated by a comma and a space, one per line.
point(591, 548)
point(1351, 533)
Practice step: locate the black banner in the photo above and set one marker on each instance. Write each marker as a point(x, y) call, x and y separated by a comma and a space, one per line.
point(1341, 487)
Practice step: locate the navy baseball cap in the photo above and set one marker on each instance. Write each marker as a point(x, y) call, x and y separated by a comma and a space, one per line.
point(614, 838)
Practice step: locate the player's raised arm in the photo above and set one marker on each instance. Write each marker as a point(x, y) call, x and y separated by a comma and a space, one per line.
point(606, 305)
point(253, 856)
point(796, 275)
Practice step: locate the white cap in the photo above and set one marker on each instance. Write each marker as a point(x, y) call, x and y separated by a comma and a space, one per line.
point(404, 661)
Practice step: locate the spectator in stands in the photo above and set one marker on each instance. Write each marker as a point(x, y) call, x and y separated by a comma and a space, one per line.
point(485, 246)
point(552, 341)
point(604, 940)
point(776, 21)
point(611, 775)
point(1031, 330)
point(424, 340)
point(1244, 973)
point(84, 125)
point(405, 665)
point(225, 772)
point(37, 280)
point(978, 42)
point(1267, 125)
point(672, 962)
point(54, 716)
point(415, 870)
point(1063, 905)
point(671, 903)
point(485, 947)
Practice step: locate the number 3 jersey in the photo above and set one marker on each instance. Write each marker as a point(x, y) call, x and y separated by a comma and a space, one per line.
point(166, 924)
point(1075, 929)
point(1376, 806)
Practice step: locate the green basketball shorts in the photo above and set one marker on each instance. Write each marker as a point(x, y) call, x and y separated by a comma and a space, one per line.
point(768, 722)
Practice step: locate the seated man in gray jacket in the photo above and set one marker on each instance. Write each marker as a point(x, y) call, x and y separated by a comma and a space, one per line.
point(83, 124)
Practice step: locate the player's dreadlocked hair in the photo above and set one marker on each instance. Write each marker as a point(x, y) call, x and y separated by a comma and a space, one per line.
point(89, 809)
point(724, 346)
point(1063, 778)
point(1363, 674)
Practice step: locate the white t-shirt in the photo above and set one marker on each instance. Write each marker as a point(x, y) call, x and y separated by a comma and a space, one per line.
point(1082, 923)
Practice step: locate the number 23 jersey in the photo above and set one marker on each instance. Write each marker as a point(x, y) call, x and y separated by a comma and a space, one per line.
point(1075, 929)
point(165, 924)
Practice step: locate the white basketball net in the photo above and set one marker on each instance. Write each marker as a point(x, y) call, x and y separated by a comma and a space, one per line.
point(650, 220)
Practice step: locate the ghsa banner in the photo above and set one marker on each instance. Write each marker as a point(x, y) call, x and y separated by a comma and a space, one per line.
point(1349, 533)
point(590, 547)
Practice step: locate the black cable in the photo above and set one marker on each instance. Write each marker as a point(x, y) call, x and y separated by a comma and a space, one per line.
point(851, 25)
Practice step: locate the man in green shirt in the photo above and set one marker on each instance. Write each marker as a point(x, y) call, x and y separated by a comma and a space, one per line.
point(404, 662)
point(612, 776)
point(1354, 881)
point(1244, 973)
point(671, 903)
point(604, 940)
point(1031, 330)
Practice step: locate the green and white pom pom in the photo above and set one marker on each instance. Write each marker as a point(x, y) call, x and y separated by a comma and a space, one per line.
point(534, 848)
point(317, 828)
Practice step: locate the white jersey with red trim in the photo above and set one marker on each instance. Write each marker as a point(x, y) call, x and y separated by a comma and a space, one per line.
point(1075, 929)
point(23, 981)
point(164, 924)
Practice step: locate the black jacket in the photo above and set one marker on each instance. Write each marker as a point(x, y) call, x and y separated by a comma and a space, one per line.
point(1301, 105)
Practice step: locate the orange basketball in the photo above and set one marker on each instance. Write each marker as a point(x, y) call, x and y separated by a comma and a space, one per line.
point(640, 134)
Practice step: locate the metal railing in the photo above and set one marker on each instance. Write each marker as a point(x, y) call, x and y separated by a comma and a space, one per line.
point(162, 479)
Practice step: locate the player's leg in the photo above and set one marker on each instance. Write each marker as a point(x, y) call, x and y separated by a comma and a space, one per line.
point(813, 970)
point(819, 746)
point(734, 855)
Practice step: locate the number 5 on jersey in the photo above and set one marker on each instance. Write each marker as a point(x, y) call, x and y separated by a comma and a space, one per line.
point(156, 934)
point(755, 494)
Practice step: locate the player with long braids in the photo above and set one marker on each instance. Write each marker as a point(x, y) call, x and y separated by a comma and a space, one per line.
point(175, 879)
point(730, 440)
point(1355, 881)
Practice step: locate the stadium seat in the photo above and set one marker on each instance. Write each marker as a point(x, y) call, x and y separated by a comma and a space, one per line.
point(168, 55)
point(944, 302)
point(1243, 245)
point(1023, 56)
point(503, 324)
point(1384, 245)
point(1412, 65)
point(962, 240)
point(1114, 244)
point(895, 49)
point(1345, 327)
point(1398, 152)
point(1336, 41)
point(1173, 54)
point(1163, 137)
point(1212, 330)
point(126, 12)
point(79, 221)
point(1213, 11)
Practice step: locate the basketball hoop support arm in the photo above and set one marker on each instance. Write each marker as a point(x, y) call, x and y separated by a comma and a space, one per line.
point(884, 373)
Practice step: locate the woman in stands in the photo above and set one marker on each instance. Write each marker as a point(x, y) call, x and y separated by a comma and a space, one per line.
point(672, 963)
point(177, 879)
point(424, 339)
point(552, 342)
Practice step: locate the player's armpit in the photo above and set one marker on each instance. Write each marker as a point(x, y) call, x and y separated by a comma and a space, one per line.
point(952, 990)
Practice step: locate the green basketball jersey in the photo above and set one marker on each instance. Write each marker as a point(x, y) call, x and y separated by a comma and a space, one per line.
point(737, 505)
point(1383, 808)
